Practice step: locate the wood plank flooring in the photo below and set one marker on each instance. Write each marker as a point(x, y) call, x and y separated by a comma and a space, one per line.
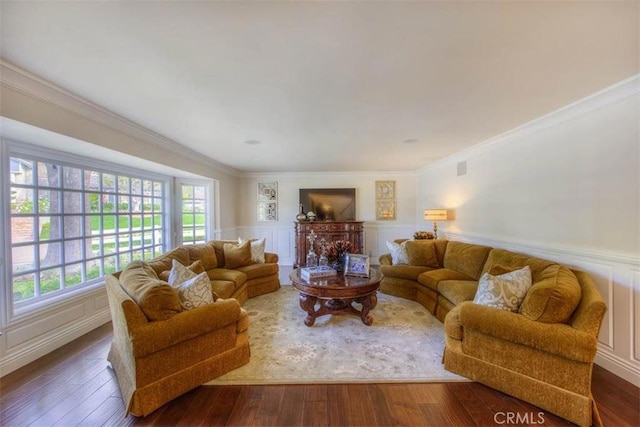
point(74, 386)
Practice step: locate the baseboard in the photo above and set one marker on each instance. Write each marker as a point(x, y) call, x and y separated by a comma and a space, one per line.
point(618, 366)
point(52, 341)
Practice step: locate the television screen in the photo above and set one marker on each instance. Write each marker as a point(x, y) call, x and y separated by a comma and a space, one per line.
point(330, 204)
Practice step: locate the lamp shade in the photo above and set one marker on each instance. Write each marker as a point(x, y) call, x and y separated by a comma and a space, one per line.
point(435, 214)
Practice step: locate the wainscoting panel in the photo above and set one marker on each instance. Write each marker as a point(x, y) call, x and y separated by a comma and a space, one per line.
point(617, 277)
point(635, 309)
point(31, 338)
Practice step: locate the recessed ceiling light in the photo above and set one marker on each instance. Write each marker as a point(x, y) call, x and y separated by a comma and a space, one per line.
point(252, 142)
point(410, 141)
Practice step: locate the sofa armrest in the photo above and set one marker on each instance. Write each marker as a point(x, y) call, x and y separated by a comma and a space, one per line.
point(556, 338)
point(270, 258)
point(155, 336)
point(385, 259)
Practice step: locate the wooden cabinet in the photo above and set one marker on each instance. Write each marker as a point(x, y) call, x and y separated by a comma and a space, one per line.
point(352, 231)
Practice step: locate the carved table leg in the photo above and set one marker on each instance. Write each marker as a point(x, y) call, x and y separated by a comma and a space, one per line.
point(308, 303)
point(368, 303)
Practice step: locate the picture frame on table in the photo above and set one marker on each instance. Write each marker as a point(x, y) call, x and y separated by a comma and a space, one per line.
point(356, 265)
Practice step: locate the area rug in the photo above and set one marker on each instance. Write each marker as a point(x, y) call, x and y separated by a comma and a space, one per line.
point(404, 344)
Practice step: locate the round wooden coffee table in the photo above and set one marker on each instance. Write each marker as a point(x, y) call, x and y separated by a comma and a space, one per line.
point(336, 295)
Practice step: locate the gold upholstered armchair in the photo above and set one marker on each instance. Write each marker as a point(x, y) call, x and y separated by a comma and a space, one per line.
point(160, 351)
point(547, 364)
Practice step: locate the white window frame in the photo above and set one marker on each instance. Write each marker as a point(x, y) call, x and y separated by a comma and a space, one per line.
point(177, 214)
point(11, 148)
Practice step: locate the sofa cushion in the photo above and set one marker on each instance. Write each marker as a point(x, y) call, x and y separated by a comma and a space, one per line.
point(237, 255)
point(505, 291)
point(398, 252)
point(422, 253)
point(156, 298)
point(257, 249)
point(513, 260)
point(410, 272)
point(554, 297)
point(458, 291)
point(195, 267)
point(433, 277)
point(163, 262)
point(237, 277)
point(255, 271)
point(466, 258)
point(223, 288)
point(205, 253)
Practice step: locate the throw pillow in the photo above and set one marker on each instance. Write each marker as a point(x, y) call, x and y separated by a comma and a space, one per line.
point(554, 297)
point(422, 253)
point(156, 299)
point(506, 291)
point(398, 252)
point(257, 249)
point(196, 267)
point(237, 255)
point(193, 289)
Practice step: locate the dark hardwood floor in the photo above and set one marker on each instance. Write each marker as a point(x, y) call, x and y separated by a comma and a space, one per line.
point(74, 386)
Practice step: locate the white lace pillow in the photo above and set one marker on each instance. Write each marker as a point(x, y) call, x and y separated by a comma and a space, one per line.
point(506, 291)
point(398, 252)
point(193, 289)
point(257, 249)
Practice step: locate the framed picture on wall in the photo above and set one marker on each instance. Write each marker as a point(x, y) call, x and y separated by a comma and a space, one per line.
point(385, 200)
point(267, 191)
point(267, 201)
point(385, 210)
point(267, 211)
point(385, 190)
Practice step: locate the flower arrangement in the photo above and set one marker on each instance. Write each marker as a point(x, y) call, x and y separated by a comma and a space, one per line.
point(337, 248)
point(423, 235)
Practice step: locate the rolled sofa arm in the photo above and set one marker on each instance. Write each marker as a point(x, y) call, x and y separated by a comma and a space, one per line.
point(270, 258)
point(556, 338)
point(155, 336)
point(385, 259)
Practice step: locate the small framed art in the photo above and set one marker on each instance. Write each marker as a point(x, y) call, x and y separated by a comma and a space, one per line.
point(267, 199)
point(356, 265)
point(267, 191)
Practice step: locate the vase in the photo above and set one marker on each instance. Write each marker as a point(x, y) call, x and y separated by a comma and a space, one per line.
point(323, 260)
point(338, 264)
point(312, 259)
point(301, 216)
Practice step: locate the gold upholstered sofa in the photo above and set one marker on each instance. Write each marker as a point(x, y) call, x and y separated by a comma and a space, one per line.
point(542, 353)
point(161, 350)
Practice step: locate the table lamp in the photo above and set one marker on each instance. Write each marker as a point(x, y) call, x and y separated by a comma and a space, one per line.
point(435, 215)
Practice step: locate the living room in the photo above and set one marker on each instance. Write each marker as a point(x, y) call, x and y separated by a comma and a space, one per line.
point(557, 177)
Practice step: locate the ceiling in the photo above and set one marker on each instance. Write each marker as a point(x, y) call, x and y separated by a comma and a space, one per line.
point(326, 86)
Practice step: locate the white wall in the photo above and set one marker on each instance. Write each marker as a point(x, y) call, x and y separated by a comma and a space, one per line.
point(280, 236)
point(564, 187)
point(100, 134)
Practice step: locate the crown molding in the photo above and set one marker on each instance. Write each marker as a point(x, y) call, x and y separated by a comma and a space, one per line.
point(605, 97)
point(35, 87)
point(377, 174)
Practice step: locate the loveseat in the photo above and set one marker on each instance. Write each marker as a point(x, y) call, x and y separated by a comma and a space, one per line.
point(161, 350)
point(542, 353)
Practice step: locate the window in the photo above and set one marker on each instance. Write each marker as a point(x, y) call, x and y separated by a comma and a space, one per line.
point(194, 209)
point(73, 223)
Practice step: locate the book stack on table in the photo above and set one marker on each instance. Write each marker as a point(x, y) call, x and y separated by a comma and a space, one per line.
point(308, 273)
